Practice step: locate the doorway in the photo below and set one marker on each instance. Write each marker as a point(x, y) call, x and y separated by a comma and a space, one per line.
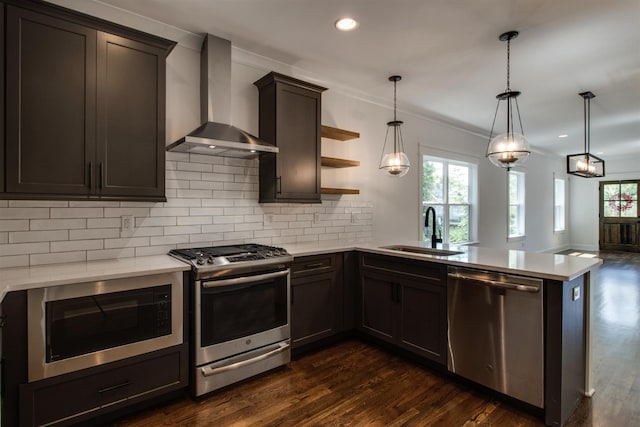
point(619, 221)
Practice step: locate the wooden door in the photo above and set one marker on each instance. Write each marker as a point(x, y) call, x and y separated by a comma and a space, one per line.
point(315, 306)
point(619, 216)
point(50, 104)
point(131, 123)
point(379, 307)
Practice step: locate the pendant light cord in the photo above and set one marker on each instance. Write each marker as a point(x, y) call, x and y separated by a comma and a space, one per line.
point(587, 124)
point(395, 119)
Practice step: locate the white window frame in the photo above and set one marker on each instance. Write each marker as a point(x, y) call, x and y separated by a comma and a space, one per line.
point(449, 157)
point(559, 205)
point(519, 203)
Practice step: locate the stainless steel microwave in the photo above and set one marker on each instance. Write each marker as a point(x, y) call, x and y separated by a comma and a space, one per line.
point(78, 326)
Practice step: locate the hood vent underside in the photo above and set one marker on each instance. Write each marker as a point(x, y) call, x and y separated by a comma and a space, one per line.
point(215, 137)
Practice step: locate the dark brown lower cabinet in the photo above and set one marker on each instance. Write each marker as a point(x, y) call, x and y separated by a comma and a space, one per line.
point(89, 393)
point(406, 310)
point(316, 298)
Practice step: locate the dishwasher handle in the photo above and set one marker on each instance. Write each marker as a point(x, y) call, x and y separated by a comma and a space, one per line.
point(495, 283)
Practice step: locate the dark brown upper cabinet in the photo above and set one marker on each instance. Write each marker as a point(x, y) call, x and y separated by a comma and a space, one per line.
point(290, 111)
point(85, 107)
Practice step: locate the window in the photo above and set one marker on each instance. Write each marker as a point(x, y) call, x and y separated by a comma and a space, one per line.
point(620, 199)
point(558, 204)
point(447, 187)
point(516, 204)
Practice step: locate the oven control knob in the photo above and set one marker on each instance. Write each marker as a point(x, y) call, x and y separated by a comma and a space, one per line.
point(200, 260)
point(210, 260)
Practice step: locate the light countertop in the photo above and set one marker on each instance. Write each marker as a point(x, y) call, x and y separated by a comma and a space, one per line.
point(534, 264)
point(542, 265)
point(15, 279)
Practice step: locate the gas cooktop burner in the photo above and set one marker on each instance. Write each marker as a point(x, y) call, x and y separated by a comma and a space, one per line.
point(214, 257)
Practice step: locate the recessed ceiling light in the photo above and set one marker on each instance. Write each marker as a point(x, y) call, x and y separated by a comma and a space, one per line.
point(600, 152)
point(212, 146)
point(346, 24)
point(564, 135)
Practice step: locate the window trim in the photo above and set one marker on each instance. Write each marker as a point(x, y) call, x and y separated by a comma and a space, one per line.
point(451, 157)
point(521, 195)
point(564, 181)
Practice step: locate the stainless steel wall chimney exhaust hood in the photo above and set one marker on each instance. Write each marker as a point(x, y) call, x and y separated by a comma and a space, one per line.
point(215, 136)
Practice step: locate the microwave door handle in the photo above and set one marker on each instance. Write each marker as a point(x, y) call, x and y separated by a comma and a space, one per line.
point(247, 279)
point(207, 371)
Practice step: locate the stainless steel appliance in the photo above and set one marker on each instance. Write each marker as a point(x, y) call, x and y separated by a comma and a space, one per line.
point(496, 332)
point(240, 312)
point(77, 326)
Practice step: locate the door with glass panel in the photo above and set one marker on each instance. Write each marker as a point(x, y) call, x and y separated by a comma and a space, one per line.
point(619, 216)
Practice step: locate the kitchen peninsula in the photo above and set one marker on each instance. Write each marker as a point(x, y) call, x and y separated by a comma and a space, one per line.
point(566, 298)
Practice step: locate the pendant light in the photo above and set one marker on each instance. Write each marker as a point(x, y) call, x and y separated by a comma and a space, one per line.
point(586, 164)
point(396, 162)
point(508, 149)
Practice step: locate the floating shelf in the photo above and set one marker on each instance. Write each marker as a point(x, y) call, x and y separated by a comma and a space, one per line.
point(338, 134)
point(334, 162)
point(326, 190)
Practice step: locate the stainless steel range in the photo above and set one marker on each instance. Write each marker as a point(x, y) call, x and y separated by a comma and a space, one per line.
point(240, 312)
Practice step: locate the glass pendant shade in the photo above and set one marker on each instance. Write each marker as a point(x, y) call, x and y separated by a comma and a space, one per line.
point(510, 148)
point(393, 160)
point(586, 165)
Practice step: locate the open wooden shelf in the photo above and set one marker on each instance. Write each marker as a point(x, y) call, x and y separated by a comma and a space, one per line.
point(325, 190)
point(334, 162)
point(338, 134)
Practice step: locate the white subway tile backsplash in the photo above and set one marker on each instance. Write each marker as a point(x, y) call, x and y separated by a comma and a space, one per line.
point(102, 222)
point(14, 261)
point(156, 221)
point(210, 201)
point(94, 233)
point(168, 240)
point(129, 242)
point(14, 224)
point(24, 213)
point(110, 254)
point(193, 220)
point(77, 212)
point(24, 248)
point(37, 236)
point(57, 258)
point(77, 245)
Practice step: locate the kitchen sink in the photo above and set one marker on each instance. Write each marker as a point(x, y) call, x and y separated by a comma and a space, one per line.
point(421, 250)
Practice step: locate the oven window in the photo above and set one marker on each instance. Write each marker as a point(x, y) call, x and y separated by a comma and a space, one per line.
point(236, 311)
point(87, 324)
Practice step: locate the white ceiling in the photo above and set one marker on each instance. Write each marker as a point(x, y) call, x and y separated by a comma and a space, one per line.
point(450, 58)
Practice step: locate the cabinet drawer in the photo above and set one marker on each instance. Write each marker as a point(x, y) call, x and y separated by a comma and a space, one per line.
point(47, 401)
point(435, 273)
point(314, 264)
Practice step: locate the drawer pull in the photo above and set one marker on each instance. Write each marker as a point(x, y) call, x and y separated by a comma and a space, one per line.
point(314, 265)
point(114, 387)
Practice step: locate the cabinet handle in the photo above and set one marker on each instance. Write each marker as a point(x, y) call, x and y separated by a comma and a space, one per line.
point(101, 174)
point(114, 387)
point(292, 296)
point(90, 175)
point(314, 265)
point(397, 293)
point(279, 181)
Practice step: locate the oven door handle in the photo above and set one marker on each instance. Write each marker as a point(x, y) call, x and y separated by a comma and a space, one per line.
point(207, 371)
point(247, 279)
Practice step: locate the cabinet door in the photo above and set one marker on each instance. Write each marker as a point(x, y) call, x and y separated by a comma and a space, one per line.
point(315, 307)
point(423, 319)
point(298, 137)
point(131, 110)
point(50, 104)
point(378, 311)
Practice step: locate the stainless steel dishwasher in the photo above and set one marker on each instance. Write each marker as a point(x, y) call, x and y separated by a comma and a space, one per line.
point(496, 331)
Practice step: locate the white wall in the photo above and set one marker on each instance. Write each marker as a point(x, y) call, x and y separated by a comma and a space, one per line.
point(585, 200)
point(214, 200)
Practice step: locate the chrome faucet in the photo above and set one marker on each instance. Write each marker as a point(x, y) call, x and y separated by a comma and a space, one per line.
point(434, 239)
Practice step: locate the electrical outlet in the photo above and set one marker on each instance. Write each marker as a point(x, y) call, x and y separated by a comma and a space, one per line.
point(126, 224)
point(576, 293)
point(316, 217)
point(268, 218)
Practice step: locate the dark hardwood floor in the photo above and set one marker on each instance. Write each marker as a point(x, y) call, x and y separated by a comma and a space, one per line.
point(356, 384)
